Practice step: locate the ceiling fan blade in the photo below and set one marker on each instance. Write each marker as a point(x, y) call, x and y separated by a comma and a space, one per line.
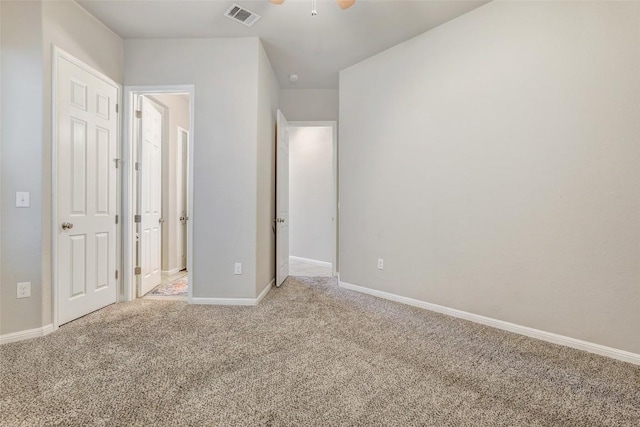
point(345, 4)
point(276, 1)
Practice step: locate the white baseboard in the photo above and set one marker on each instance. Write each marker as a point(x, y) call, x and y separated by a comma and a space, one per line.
point(172, 271)
point(590, 347)
point(311, 261)
point(25, 335)
point(234, 301)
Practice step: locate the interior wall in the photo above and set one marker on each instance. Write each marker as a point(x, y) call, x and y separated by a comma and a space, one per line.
point(309, 104)
point(21, 66)
point(29, 30)
point(224, 73)
point(311, 192)
point(268, 88)
point(176, 115)
point(68, 26)
point(493, 164)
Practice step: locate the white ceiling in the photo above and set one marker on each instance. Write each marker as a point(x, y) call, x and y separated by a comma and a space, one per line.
point(314, 47)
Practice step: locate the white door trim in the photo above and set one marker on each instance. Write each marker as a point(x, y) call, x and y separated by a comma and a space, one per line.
point(57, 54)
point(336, 206)
point(128, 192)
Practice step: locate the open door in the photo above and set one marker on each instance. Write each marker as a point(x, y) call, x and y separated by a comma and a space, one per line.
point(183, 176)
point(150, 197)
point(282, 199)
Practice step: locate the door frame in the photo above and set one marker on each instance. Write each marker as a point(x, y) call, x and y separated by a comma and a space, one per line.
point(336, 198)
point(56, 54)
point(129, 192)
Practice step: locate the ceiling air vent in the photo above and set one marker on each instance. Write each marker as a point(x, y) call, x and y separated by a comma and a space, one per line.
point(242, 15)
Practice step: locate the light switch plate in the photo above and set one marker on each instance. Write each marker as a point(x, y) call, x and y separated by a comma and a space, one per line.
point(22, 199)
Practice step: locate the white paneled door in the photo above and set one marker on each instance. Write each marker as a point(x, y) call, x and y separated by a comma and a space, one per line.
point(86, 148)
point(282, 199)
point(150, 243)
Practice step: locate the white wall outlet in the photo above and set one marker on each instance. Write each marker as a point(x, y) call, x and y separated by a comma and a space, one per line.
point(24, 290)
point(238, 268)
point(22, 199)
point(380, 264)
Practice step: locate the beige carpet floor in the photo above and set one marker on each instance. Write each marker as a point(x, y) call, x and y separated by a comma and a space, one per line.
point(310, 354)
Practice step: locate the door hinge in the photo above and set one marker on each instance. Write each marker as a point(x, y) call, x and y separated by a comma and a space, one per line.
point(137, 271)
point(117, 108)
point(116, 274)
point(137, 218)
point(117, 162)
point(117, 218)
point(138, 114)
point(138, 166)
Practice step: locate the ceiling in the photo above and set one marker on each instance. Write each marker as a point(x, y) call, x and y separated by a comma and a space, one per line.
point(315, 48)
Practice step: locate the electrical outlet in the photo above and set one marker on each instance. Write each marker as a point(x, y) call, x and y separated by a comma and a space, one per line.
point(238, 268)
point(380, 264)
point(24, 290)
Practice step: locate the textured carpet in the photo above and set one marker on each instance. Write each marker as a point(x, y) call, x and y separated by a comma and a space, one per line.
point(179, 287)
point(310, 354)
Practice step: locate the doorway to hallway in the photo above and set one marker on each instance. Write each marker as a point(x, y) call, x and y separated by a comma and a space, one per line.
point(158, 246)
point(312, 198)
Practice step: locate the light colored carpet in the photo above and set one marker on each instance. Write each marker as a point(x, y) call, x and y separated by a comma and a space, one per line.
point(310, 354)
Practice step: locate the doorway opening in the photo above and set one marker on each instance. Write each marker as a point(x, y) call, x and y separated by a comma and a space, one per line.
point(158, 239)
point(313, 199)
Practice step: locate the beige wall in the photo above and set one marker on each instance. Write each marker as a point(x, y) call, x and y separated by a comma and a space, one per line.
point(29, 30)
point(493, 163)
point(225, 73)
point(176, 109)
point(21, 167)
point(265, 208)
point(309, 104)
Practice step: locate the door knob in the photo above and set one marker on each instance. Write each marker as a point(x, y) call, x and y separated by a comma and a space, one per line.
point(67, 225)
point(161, 220)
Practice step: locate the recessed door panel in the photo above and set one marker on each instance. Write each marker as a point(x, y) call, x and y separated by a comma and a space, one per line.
point(78, 167)
point(102, 261)
point(102, 164)
point(78, 265)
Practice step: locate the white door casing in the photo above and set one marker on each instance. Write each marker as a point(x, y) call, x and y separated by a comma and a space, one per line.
point(86, 135)
point(282, 199)
point(150, 194)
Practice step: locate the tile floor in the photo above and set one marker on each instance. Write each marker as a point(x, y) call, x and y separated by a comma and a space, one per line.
point(301, 268)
